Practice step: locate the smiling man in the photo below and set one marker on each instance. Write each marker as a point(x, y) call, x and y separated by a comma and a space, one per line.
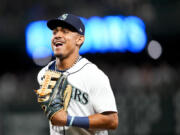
point(91, 109)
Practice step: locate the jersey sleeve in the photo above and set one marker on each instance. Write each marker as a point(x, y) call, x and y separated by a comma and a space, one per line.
point(102, 96)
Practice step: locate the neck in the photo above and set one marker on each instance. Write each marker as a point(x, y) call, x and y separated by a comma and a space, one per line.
point(66, 63)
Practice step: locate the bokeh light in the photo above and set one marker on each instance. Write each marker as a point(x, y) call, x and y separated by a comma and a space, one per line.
point(154, 49)
point(102, 35)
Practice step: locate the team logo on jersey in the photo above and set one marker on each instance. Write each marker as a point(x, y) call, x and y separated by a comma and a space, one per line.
point(80, 96)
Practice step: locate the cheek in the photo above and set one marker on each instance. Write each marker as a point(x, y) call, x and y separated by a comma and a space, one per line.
point(73, 41)
point(52, 43)
point(52, 40)
point(71, 45)
point(52, 46)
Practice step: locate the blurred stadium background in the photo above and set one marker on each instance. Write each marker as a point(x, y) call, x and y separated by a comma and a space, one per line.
point(146, 85)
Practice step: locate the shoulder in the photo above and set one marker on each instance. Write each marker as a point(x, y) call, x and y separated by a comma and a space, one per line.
point(94, 70)
point(89, 70)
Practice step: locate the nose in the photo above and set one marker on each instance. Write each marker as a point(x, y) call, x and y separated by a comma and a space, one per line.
point(58, 34)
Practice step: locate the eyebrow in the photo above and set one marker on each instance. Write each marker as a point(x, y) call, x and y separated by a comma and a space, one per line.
point(68, 29)
point(62, 28)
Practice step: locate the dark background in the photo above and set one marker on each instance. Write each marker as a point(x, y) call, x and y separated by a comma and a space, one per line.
point(147, 91)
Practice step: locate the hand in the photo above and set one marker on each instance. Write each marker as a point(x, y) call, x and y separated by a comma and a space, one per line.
point(59, 118)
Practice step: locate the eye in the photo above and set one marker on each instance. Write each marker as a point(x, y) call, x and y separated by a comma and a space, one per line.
point(54, 32)
point(65, 31)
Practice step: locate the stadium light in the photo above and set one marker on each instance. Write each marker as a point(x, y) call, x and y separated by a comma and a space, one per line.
point(103, 35)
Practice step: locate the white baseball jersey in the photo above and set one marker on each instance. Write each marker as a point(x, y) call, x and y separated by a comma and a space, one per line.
point(93, 94)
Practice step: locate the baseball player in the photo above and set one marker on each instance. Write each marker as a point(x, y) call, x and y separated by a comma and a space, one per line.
point(80, 101)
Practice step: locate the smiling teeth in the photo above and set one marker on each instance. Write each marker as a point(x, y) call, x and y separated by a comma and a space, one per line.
point(58, 43)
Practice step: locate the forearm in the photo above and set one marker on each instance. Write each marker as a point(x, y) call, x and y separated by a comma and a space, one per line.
point(96, 121)
point(103, 121)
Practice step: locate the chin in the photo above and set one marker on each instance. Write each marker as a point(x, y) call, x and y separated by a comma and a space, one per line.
point(58, 55)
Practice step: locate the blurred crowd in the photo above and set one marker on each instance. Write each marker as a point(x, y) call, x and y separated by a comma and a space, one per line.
point(147, 99)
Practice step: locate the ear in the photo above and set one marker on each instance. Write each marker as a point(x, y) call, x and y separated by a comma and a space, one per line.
point(80, 40)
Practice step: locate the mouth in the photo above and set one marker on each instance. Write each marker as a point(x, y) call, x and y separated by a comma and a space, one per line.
point(58, 44)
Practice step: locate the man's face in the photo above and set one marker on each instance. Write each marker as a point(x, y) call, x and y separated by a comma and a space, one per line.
point(64, 42)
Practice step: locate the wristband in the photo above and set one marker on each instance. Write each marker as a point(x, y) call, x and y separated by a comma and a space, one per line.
point(82, 122)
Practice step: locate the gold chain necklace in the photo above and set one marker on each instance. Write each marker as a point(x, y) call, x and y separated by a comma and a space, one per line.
point(77, 60)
